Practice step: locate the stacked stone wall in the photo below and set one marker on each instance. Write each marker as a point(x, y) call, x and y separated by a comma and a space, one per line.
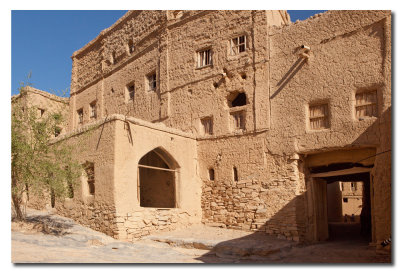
point(144, 221)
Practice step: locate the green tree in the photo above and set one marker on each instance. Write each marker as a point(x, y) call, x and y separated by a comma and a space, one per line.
point(39, 163)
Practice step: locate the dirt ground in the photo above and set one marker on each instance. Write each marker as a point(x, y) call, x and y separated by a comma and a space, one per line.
point(47, 238)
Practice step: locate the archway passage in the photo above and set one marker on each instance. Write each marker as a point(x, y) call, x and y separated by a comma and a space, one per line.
point(156, 181)
point(347, 207)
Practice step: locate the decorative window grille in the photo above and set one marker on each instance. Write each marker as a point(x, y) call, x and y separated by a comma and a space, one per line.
point(238, 119)
point(319, 117)
point(152, 82)
point(93, 110)
point(80, 116)
point(238, 45)
point(366, 104)
point(207, 124)
point(204, 58)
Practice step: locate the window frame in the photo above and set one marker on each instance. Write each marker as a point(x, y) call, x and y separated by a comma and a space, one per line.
point(325, 116)
point(236, 46)
point(202, 60)
point(234, 120)
point(151, 80)
point(207, 121)
point(368, 103)
point(93, 110)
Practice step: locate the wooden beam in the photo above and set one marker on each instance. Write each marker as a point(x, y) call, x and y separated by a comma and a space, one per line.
point(156, 168)
point(342, 172)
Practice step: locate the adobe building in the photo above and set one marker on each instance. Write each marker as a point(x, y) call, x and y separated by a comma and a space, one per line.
point(237, 119)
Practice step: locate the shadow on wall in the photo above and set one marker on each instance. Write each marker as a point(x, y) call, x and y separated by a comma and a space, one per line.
point(270, 234)
point(293, 70)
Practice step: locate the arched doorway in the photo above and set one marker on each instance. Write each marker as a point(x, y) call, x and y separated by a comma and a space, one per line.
point(157, 180)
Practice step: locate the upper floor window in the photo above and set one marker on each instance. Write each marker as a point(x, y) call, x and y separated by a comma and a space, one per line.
point(40, 112)
point(238, 120)
point(366, 105)
point(207, 124)
point(236, 99)
point(151, 82)
point(93, 110)
point(319, 116)
point(80, 116)
point(131, 91)
point(238, 45)
point(204, 58)
point(131, 47)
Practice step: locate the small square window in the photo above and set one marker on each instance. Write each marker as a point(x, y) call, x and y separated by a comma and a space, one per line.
point(131, 91)
point(93, 110)
point(238, 45)
point(207, 124)
point(152, 82)
point(319, 116)
point(238, 120)
point(366, 105)
point(345, 200)
point(80, 116)
point(204, 58)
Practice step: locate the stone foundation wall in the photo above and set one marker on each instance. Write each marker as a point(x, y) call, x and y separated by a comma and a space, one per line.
point(271, 202)
point(144, 221)
point(99, 216)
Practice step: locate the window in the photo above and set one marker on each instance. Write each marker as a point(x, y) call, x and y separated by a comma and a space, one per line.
point(131, 47)
point(131, 91)
point(89, 169)
point(211, 174)
point(57, 131)
point(204, 58)
point(238, 120)
point(345, 200)
point(319, 116)
point(40, 112)
point(113, 58)
point(152, 82)
point(366, 104)
point(235, 174)
point(238, 45)
point(93, 110)
point(353, 186)
point(80, 116)
point(237, 99)
point(207, 124)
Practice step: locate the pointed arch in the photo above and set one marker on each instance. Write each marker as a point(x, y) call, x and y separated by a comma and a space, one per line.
point(157, 179)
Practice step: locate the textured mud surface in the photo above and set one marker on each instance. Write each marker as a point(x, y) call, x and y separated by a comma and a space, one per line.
point(46, 238)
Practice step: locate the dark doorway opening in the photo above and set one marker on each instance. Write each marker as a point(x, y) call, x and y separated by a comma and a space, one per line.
point(348, 207)
point(156, 181)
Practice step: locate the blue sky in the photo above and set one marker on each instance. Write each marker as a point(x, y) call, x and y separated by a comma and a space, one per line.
point(42, 43)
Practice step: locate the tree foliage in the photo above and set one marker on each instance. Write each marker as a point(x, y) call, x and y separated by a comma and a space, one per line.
point(40, 164)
